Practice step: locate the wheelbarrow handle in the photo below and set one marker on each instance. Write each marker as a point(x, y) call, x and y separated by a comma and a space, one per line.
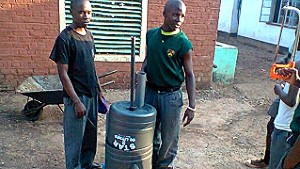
point(107, 83)
point(107, 74)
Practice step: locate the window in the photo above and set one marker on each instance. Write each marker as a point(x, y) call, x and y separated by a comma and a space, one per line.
point(271, 11)
point(113, 23)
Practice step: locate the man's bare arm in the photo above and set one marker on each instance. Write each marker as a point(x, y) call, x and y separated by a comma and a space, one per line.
point(67, 84)
point(190, 87)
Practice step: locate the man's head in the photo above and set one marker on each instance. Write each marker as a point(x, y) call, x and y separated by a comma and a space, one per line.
point(174, 13)
point(81, 11)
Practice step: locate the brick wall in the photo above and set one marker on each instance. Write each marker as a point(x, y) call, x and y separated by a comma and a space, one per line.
point(29, 28)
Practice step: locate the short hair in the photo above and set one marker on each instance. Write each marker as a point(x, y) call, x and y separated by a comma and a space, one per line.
point(76, 2)
point(172, 3)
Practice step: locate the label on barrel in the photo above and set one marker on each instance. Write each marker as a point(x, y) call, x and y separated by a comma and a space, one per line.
point(125, 143)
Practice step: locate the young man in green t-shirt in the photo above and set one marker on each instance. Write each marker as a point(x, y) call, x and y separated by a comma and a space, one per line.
point(168, 63)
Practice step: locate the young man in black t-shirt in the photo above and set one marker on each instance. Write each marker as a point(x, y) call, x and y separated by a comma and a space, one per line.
point(74, 53)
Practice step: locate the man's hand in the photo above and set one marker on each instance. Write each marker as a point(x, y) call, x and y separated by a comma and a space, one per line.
point(79, 109)
point(290, 74)
point(188, 117)
point(277, 89)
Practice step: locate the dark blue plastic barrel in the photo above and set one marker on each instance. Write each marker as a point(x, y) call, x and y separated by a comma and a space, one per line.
point(129, 136)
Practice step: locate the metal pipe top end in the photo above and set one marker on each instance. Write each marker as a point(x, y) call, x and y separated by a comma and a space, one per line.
point(132, 108)
point(141, 72)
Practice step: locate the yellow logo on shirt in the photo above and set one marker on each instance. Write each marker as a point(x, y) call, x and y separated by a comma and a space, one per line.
point(170, 53)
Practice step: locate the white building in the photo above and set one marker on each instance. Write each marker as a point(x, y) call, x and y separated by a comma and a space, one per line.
point(258, 19)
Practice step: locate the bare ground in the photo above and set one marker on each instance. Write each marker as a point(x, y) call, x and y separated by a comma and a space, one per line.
point(228, 129)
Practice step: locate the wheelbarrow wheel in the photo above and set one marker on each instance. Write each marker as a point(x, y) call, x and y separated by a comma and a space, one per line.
point(32, 110)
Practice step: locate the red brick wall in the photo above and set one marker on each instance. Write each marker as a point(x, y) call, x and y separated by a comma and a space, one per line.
point(27, 31)
point(29, 28)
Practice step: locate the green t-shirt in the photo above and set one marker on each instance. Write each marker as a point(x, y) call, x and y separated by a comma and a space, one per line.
point(295, 124)
point(165, 57)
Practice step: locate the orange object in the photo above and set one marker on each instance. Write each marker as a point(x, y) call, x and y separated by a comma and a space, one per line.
point(275, 67)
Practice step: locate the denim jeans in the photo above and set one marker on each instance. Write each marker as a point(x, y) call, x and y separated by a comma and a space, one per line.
point(80, 134)
point(167, 127)
point(279, 146)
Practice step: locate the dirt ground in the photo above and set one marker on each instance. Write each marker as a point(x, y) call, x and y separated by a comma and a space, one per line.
point(228, 129)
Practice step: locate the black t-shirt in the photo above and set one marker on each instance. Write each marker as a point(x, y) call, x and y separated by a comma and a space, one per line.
point(78, 51)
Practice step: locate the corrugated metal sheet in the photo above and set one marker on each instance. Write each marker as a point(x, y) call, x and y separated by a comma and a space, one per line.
point(113, 23)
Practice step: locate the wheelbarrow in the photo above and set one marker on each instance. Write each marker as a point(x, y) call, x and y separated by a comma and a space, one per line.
point(45, 90)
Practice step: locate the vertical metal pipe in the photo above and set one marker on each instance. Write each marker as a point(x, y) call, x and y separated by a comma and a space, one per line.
point(280, 33)
point(132, 99)
point(140, 89)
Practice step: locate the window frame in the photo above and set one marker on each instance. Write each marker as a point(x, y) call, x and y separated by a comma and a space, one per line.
point(275, 14)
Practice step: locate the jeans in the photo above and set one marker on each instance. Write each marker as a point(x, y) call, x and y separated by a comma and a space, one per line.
point(278, 146)
point(167, 127)
point(80, 134)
